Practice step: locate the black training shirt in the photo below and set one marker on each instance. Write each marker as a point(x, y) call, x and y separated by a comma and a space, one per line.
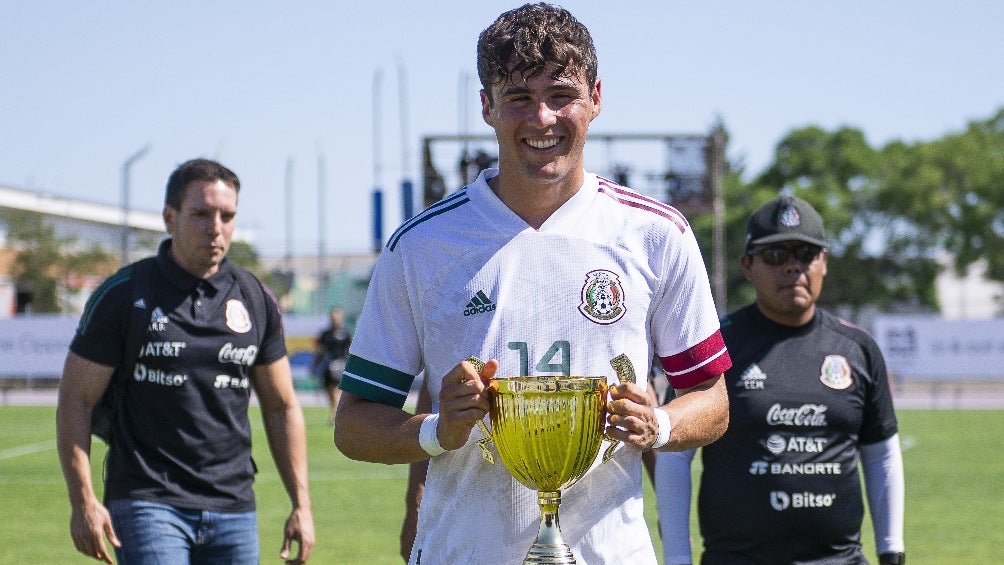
point(181, 433)
point(782, 485)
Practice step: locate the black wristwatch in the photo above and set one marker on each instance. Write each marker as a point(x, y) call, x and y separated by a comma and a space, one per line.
point(893, 558)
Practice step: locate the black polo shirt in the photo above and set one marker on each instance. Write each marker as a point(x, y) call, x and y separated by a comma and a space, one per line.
point(783, 484)
point(181, 432)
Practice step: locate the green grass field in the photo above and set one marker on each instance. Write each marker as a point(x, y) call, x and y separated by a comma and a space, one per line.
point(954, 474)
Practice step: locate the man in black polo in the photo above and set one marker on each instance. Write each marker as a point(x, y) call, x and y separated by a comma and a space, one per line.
point(809, 400)
point(178, 487)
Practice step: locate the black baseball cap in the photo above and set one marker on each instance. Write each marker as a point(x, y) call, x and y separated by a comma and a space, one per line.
point(785, 218)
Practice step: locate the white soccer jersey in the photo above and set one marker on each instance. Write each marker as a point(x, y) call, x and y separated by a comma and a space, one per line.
point(611, 272)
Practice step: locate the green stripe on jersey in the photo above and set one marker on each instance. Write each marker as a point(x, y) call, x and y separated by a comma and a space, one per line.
point(376, 382)
point(121, 276)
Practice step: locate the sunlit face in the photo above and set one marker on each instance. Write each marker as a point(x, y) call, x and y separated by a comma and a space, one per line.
point(202, 228)
point(541, 126)
point(786, 293)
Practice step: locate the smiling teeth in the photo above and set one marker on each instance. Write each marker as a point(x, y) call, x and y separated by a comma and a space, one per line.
point(542, 143)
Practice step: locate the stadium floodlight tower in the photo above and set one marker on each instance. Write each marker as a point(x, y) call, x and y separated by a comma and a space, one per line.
point(126, 229)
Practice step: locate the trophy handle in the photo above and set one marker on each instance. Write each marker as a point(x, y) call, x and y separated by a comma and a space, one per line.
point(625, 373)
point(486, 453)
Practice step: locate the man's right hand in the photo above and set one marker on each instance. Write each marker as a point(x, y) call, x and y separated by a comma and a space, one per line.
point(463, 402)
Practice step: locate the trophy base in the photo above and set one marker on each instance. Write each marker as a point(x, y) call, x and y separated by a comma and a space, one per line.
point(550, 547)
point(549, 555)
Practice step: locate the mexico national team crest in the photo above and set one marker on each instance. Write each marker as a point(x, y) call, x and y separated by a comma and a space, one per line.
point(835, 372)
point(789, 217)
point(602, 297)
point(238, 318)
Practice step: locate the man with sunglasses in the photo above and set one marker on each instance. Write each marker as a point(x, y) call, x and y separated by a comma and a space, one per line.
point(809, 400)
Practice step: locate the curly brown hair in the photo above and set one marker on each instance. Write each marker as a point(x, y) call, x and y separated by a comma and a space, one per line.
point(523, 42)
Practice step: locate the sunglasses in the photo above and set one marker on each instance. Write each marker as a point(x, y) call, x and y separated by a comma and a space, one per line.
point(779, 254)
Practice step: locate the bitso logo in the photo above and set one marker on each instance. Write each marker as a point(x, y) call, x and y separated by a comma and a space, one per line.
point(479, 303)
point(142, 373)
point(780, 500)
point(602, 297)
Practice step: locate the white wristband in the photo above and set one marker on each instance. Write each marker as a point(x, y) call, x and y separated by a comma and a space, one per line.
point(428, 435)
point(665, 428)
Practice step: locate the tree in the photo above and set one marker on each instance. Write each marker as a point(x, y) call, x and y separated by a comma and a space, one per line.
point(44, 262)
point(954, 189)
point(878, 256)
point(245, 255)
point(881, 255)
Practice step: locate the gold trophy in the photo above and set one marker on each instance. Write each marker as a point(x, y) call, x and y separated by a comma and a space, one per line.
point(548, 432)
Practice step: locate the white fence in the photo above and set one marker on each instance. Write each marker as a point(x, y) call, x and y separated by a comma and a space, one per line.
point(34, 347)
point(935, 349)
point(915, 348)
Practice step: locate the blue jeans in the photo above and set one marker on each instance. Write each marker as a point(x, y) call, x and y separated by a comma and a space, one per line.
point(159, 534)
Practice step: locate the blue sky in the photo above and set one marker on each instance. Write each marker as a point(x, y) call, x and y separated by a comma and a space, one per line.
point(258, 84)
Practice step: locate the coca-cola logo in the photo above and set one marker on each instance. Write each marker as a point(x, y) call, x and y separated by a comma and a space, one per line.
point(238, 355)
point(806, 415)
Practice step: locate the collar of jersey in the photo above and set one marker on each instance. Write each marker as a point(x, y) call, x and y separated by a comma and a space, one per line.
point(182, 279)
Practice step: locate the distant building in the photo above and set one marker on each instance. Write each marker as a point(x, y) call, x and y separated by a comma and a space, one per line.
point(88, 223)
point(969, 297)
point(316, 284)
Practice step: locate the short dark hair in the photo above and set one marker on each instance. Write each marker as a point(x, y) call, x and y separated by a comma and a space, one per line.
point(196, 170)
point(524, 41)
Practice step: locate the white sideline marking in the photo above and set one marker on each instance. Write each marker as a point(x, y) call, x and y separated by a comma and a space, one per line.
point(27, 449)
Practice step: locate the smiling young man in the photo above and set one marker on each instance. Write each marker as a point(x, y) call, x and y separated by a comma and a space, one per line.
point(808, 400)
point(541, 117)
point(542, 269)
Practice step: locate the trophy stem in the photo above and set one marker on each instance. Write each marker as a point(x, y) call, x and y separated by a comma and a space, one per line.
point(549, 548)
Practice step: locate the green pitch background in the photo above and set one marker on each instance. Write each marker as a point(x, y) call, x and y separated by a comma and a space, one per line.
point(954, 490)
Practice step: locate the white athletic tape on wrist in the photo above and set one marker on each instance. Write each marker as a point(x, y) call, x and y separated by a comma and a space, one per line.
point(428, 435)
point(665, 428)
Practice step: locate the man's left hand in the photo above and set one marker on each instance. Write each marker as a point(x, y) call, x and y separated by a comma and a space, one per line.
point(299, 528)
point(632, 420)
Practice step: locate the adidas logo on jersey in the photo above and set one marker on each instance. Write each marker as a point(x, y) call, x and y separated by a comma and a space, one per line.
point(754, 378)
point(479, 303)
point(158, 320)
